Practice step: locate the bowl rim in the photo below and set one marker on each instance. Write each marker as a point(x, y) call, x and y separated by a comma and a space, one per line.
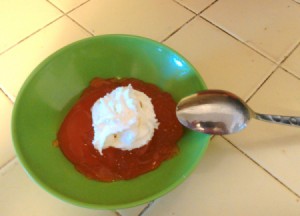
point(26, 167)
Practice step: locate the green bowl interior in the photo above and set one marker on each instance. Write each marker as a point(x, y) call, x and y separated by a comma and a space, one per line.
point(56, 84)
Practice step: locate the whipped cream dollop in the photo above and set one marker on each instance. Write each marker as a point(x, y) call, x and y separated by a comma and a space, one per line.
point(124, 119)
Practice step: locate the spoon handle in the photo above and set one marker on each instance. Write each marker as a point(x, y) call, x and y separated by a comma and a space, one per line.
point(287, 120)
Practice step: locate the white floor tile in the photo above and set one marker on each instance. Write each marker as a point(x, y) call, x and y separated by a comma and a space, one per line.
point(6, 144)
point(195, 5)
point(275, 147)
point(67, 5)
point(227, 183)
point(271, 27)
point(292, 64)
point(20, 196)
point(223, 62)
point(38, 47)
point(19, 18)
point(154, 19)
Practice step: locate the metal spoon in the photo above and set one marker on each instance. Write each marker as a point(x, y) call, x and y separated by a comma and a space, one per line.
point(221, 112)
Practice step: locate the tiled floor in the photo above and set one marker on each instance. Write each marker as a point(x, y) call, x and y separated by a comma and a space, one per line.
point(250, 47)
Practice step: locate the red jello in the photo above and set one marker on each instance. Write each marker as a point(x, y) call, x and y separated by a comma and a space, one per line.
point(76, 134)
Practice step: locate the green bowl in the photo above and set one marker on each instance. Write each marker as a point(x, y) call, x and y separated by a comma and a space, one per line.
point(54, 86)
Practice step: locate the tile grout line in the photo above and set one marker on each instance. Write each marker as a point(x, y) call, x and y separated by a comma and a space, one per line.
point(279, 65)
point(11, 100)
point(117, 213)
point(81, 26)
point(11, 160)
point(67, 15)
point(49, 1)
point(83, 3)
point(179, 28)
point(286, 57)
point(287, 71)
point(250, 158)
point(240, 41)
point(198, 13)
point(9, 96)
point(204, 9)
point(289, 53)
point(53, 5)
point(261, 84)
point(142, 212)
point(176, 1)
point(28, 36)
point(296, 2)
point(146, 208)
point(188, 21)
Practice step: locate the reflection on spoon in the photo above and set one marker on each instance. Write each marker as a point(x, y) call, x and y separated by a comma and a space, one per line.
point(220, 112)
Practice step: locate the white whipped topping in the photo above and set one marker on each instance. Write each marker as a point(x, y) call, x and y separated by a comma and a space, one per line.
point(123, 119)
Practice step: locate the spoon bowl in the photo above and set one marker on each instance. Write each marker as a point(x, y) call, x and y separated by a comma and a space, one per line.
point(221, 112)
